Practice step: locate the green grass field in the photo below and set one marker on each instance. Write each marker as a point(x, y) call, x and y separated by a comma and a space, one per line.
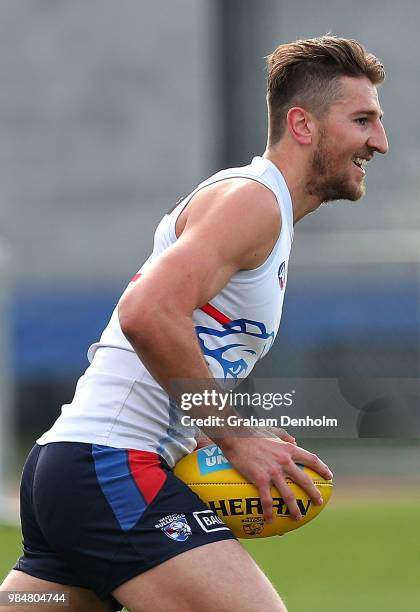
point(363, 558)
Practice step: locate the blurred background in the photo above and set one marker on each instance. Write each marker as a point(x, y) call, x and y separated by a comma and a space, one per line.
point(111, 111)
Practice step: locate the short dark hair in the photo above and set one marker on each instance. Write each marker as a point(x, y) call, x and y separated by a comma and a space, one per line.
point(307, 72)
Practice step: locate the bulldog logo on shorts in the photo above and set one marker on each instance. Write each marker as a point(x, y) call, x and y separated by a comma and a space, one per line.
point(175, 526)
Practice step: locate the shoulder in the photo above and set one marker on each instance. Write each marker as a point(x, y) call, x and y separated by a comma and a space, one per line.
point(242, 190)
point(242, 201)
point(239, 216)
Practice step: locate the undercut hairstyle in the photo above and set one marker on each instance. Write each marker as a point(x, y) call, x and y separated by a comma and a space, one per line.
point(307, 73)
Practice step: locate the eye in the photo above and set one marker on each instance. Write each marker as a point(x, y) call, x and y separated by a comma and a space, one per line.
point(362, 120)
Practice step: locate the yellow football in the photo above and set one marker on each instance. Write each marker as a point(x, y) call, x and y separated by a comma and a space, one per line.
point(237, 502)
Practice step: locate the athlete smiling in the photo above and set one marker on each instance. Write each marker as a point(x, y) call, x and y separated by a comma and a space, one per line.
point(103, 517)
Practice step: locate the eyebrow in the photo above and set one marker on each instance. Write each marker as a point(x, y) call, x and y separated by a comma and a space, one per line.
point(370, 113)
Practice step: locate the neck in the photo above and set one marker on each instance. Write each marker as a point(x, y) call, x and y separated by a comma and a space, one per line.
point(295, 172)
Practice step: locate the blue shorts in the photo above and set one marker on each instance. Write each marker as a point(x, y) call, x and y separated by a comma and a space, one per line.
point(95, 516)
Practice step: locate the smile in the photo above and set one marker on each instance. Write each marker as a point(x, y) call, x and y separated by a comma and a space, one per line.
point(360, 163)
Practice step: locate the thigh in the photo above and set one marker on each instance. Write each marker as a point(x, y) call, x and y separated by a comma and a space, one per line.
point(220, 576)
point(79, 599)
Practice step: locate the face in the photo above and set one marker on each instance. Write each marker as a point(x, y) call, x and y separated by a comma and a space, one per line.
point(348, 137)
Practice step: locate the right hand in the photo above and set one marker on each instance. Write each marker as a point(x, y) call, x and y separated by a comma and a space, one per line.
point(267, 462)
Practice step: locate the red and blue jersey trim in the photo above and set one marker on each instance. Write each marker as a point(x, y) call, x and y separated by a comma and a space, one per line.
point(217, 315)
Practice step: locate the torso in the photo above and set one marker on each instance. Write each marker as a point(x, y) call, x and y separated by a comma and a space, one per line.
point(118, 403)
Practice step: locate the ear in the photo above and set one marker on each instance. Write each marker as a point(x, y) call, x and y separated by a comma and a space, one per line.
point(301, 125)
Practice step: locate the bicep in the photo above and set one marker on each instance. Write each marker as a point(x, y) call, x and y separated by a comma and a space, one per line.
point(185, 276)
point(216, 242)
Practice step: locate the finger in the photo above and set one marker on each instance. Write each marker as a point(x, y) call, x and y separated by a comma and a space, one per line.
point(288, 496)
point(306, 483)
point(286, 437)
point(312, 461)
point(266, 500)
point(281, 433)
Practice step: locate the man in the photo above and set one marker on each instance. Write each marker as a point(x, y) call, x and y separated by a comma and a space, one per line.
point(97, 489)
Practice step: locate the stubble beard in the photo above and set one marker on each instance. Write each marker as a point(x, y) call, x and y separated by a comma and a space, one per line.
point(328, 182)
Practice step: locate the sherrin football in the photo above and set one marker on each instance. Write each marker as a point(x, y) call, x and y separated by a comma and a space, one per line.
point(237, 502)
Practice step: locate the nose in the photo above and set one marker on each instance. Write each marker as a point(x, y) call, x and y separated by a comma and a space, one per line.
point(378, 140)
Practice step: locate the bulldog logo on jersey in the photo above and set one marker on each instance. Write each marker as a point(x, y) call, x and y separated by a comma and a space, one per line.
point(175, 526)
point(232, 356)
point(282, 275)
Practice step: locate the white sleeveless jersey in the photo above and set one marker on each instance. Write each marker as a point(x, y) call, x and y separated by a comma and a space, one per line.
point(118, 403)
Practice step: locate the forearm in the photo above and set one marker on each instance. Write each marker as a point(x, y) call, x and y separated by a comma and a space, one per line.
point(169, 349)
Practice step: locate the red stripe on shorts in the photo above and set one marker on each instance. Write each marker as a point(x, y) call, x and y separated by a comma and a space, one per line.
point(147, 472)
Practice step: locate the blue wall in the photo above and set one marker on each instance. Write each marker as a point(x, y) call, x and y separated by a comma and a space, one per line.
point(52, 329)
